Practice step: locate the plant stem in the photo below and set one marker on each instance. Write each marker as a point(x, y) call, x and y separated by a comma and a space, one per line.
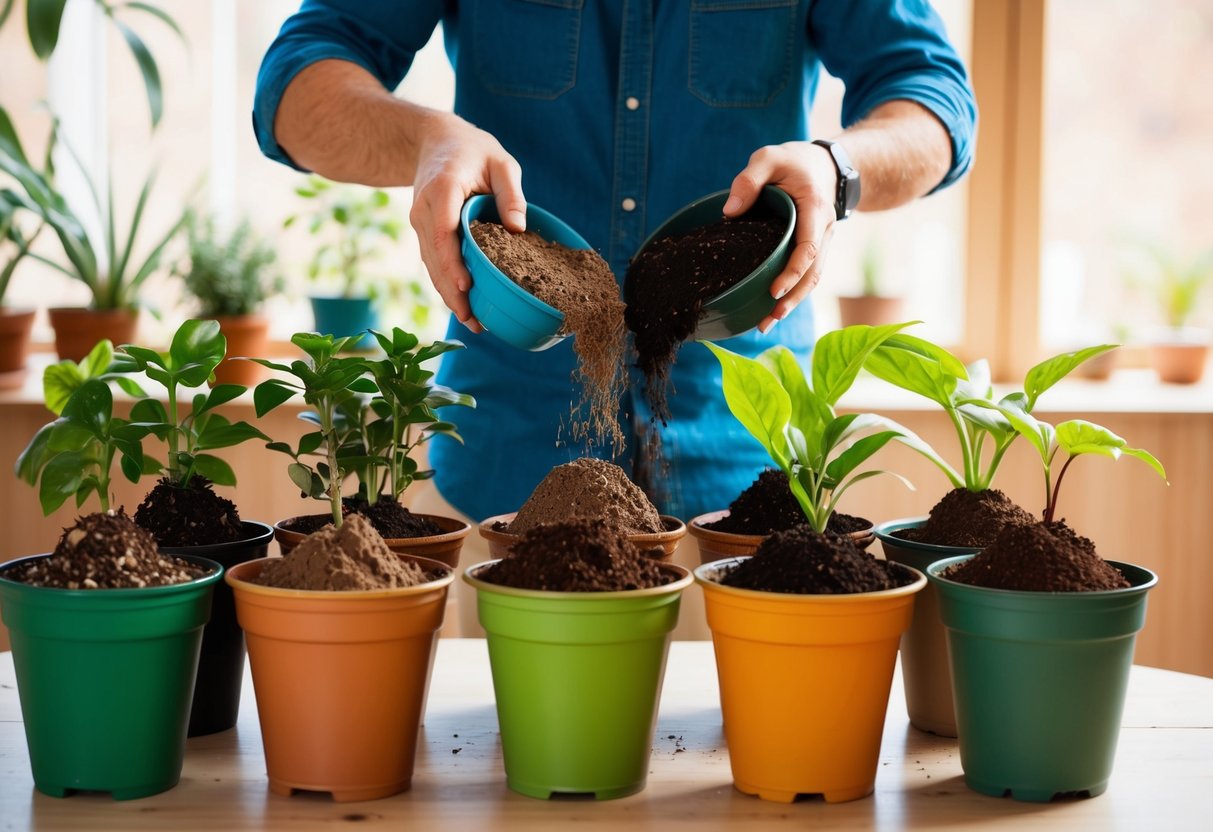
point(103, 478)
point(174, 466)
point(1051, 508)
point(966, 449)
point(325, 409)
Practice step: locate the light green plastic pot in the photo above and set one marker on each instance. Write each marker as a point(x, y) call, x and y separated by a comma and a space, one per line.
point(577, 676)
point(105, 678)
point(1039, 680)
point(924, 648)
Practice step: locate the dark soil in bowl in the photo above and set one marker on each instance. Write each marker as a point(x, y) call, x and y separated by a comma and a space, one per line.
point(392, 520)
point(576, 556)
point(670, 281)
point(193, 515)
point(767, 505)
point(1039, 558)
point(580, 284)
point(104, 551)
point(968, 518)
point(801, 561)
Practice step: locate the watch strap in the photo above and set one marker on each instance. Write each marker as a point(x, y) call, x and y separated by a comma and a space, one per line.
point(846, 196)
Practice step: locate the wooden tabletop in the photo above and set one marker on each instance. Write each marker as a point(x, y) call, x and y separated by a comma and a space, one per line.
point(1163, 777)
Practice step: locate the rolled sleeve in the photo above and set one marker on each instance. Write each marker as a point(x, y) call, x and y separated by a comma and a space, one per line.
point(381, 37)
point(886, 51)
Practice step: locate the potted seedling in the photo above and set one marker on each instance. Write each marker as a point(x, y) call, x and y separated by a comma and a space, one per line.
point(230, 277)
point(873, 306)
point(1179, 350)
point(106, 630)
point(183, 512)
point(806, 630)
point(340, 619)
point(383, 410)
point(969, 516)
point(1040, 636)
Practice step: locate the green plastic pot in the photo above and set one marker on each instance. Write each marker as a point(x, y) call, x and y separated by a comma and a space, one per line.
point(924, 647)
point(1039, 680)
point(577, 676)
point(105, 678)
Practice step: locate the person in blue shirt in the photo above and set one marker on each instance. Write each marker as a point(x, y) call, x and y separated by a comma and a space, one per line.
point(614, 114)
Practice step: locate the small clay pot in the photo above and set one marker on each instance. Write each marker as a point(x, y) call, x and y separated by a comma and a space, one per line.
point(873, 310)
point(500, 542)
point(1179, 363)
point(443, 547)
point(77, 329)
point(15, 327)
point(248, 336)
point(714, 545)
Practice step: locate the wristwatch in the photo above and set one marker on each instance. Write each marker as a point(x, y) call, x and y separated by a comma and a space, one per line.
point(847, 195)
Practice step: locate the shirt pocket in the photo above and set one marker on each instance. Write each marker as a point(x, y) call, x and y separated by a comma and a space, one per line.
point(527, 48)
point(740, 51)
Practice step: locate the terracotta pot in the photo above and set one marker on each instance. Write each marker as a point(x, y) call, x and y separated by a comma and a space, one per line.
point(715, 545)
point(341, 679)
point(1098, 368)
point(443, 547)
point(873, 310)
point(15, 326)
point(1179, 363)
point(247, 336)
point(77, 330)
point(667, 541)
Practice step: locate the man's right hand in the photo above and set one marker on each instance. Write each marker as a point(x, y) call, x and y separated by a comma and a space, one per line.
point(454, 161)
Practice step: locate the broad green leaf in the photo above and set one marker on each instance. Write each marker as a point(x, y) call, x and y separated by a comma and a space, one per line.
point(1040, 434)
point(222, 394)
point(1148, 459)
point(857, 454)
point(214, 469)
point(309, 442)
point(950, 363)
point(60, 479)
point(147, 67)
point(59, 381)
point(144, 358)
point(131, 468)
point(34, 457)
point(914, 372)
point(280, 447)
point(978, 383)
point(364, 385)
point(1047, 373)
point(197, 342)
point(128, 386)
point(437, 348)
point(839, 356)
point(443, 396)
point(907, 437)
point(757, 400)
point(149, 411)
point(269, 394)
point(301, 476)
point(69, 436)
point(91, 406)
point(809, 412)
point(10, 142)
point(858, 478)
point(1079, 436)
point(219, 435)
point(42, 20)
point(98, 360)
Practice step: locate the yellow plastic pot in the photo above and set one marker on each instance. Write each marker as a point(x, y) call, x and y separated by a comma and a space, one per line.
point(804, 684)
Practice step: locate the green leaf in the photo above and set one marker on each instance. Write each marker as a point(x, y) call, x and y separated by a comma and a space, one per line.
point(269, 394)
point(149, 411)
point(144, 358)
point(1040, 434)
point(158, 13)
point(197, 342)
point(839, 356)
point(91, 407)
point(42, 20)
point(222, 394)
point(5, 10)
point(442, 396)
point(1047, 373)
point(131, 468)
point(98, 359)
point(32, 460)
point(301, 475)
point(128, 386)
point(69, 436)
point(977, 385)
point(1079, 436)
point(59, 381)
point(757, 400)
point(809, 412)
point(147, 67)
point(1148, 459)
point(214, 469)
point(60, 479)
point(219, 435)
point(280, 447)
point(913, 371)
point(309, 442)
point(857, 454)
point(907, 437)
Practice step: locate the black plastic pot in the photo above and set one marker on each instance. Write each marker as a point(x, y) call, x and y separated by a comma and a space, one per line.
point(221, 665)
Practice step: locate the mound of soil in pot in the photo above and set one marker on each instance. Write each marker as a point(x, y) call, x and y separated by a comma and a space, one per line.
point(193, 515)
point(105, 551)
point(352, 557)
point(591, 489)
point(576, 556)
point(580, 284)
point(1039, 558)
point(968, 518)
point(767, 505)
point(801, 561)
point(670, 281)
point(389, 518)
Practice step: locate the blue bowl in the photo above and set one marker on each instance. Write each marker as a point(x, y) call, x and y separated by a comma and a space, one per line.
point(504, 308)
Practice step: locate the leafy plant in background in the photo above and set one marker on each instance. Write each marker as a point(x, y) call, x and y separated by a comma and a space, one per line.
point(196, 349)
point(15, 241)
point(793, 416)
point(228, 276)
point(1175, 283)
point(982, 430)
point(43, 19)
point(61, 380)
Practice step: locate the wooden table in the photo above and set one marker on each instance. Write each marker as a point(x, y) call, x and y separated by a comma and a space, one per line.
point(1163, 778)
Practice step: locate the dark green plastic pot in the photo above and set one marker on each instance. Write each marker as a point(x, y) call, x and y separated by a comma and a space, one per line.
point(1039, 680)
point(577, 676)
point(216, 703)
point(743, 306)
point(105, 678)
point(924, 648)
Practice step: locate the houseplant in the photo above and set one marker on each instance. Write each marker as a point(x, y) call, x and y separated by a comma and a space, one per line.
point(352, 226)
point(788, 658)
point(971, 510)
point(1179, 351)
point(230, 277)
point(1039, 663)
point(873, 305)
point(184, 513)
point(371, 414)
point(16, 238)
point(105, 674)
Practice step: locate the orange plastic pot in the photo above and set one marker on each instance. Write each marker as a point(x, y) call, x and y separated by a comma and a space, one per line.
point(444, 547)
point(657, 545)
point(340, 679)
point(804, 684)
point(714, 545)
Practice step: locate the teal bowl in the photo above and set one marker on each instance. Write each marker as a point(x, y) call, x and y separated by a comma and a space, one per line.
point(504, 308)
point(743, 306)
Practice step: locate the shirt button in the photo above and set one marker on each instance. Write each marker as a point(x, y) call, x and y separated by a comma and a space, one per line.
point(628, 204)
point(633, 103)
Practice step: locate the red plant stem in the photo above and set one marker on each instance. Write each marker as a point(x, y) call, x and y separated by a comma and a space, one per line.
point(1051, 508)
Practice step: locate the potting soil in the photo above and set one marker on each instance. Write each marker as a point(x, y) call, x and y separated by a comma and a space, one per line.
point(801, 561)
point(193, 515)
point(668, 284)
point(968, 518)
point(352, 557)
point(580, 284)
point(389, 518)
point(767, 505)
point(1039, 558)
point(592, 489)
point(576, 556)
point(105, 551)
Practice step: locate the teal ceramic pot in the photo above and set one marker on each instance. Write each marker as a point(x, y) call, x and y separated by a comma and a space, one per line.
point(343, 317)
point(924, 648)
point(1039, 680)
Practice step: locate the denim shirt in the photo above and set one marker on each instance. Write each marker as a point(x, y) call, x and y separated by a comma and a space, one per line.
point(620, 112)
